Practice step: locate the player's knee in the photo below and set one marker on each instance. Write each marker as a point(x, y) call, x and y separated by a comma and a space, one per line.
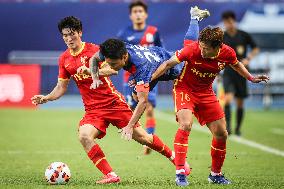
point(85, 139)
point(185, 125)
point(222, 135)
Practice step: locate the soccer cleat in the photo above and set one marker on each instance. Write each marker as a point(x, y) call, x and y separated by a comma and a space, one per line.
point(198, 14)
point(238, 133)
point(181, 180)
point(108, 179)
point(147, 150)
point(218, 179)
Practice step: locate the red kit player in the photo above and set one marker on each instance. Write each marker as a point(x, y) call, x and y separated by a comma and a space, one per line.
point(193, 94)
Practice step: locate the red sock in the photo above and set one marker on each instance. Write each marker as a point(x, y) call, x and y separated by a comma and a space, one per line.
point(99, 159)
point(218, 153)
point(150, 125)
point(160, 147)
point(181, 145)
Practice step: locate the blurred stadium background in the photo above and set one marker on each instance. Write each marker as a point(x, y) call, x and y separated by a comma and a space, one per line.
point(31, 44)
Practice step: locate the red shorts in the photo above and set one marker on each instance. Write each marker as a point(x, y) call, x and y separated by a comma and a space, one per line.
point(118, 115)
point(205, 106)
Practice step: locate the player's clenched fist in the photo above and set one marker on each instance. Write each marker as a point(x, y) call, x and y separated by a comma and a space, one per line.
point(39, 99)
point(96, 83)
point(126, 132)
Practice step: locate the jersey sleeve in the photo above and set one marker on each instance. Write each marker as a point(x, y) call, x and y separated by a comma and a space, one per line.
point(63, 74)
point(232, 57)
point(183, 54)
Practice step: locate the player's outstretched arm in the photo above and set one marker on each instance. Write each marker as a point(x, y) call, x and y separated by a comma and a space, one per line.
point(94, 68)
point(55, 94)
point(240, 68)
point(164, 67)
point(139, 110)
point(104, 71)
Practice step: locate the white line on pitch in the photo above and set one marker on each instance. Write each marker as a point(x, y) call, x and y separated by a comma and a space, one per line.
point(170, 118)
point(277, 131)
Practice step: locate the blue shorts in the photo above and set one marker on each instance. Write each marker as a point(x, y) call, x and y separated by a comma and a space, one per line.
point(127, 92)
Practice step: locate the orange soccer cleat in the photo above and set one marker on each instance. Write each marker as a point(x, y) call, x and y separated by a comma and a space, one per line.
point(109, 178)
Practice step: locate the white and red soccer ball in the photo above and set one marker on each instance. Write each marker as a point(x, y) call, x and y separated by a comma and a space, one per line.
point(57, 173)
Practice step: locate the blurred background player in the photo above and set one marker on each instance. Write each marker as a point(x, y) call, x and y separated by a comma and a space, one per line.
point(139, 33)
point(235, 84)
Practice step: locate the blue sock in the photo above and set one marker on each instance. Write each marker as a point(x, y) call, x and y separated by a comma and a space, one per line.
point(193, 31)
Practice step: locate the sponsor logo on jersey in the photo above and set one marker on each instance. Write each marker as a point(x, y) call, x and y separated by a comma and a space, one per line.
point(203, 74)
point(130, 38)
point(84, 60)
point(149, 38)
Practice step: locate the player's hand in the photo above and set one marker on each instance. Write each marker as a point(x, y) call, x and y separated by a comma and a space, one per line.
point(126, 132)
point(96, 83)
point(39, 99)
point(132, 83)
point(260, 78)
point(83, 70)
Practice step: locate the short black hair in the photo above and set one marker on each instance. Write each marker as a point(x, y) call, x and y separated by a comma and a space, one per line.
point(113, 48)
point(138, 3)
point(70, 22)
point(228, 14)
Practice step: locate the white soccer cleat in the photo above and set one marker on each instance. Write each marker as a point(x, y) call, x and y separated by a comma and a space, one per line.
point(198, 14)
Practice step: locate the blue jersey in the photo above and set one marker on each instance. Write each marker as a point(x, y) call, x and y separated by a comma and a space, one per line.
point(143, 62)
point(149, 36)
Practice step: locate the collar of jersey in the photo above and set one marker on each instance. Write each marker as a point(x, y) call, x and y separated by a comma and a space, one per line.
point(217, 54)
point(80, 50)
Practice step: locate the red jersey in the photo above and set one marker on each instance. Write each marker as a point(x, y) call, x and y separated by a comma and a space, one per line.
point(199, 73)
point(104, 95)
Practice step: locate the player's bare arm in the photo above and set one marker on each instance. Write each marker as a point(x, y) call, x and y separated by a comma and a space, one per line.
point(164, 67)
point(104, 71)
point(94, 68)
point(250, 56)
point(55, 94)
point(139, 110)
point(240, 68)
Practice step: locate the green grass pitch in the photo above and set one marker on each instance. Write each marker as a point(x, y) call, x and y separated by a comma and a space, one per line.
point(31, 139)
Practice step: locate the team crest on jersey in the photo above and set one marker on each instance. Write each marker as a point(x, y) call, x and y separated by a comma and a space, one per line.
point(178, 53)
point(240, 50)
point(149, 38)
point(84, 60)
point(221, 65)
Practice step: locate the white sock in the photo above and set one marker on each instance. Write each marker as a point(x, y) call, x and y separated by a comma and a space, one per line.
point(194, 18)
point(180, 171)
point(113, 174)
point(173, 156)
point(215, 174)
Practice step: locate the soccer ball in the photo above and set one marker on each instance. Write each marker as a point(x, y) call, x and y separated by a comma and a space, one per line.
point(57, 173)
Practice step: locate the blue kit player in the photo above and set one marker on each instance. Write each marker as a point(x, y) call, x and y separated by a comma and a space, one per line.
point(141, 62)
point(139, 33)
